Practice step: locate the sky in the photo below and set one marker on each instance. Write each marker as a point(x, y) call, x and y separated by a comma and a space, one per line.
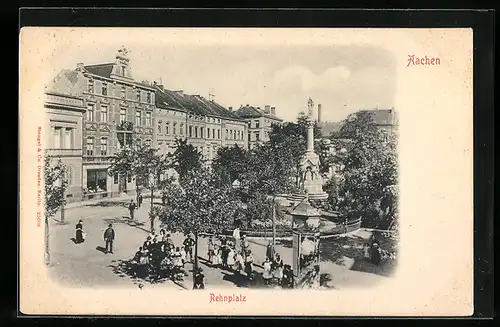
point(342, 78)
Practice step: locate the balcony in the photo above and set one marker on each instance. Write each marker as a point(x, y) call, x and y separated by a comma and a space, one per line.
point(64, 152)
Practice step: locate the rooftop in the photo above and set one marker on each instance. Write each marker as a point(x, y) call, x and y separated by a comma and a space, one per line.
point(253, 112)
point(194, 104)
point(382, 116)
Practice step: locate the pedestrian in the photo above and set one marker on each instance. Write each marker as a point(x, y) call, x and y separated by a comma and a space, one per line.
point(79, 234)
point(288, 279)
point(366, 251)
point(199, 283)
point(188, 245)
point(183, 256)
point(236, 237)
point(164, 199)
point(178, 259)
point(109, 237)
point(131, 208)
point(147, 244)
point(245, 246)
point(224, 254)
point(238, 262)
point(216, 258)
point(270, 251)
point(375, 254)
point(230, 258)
point(210, 248)
point(278, 268)
point(249, 264)
point(267, 275)
point(139, 200)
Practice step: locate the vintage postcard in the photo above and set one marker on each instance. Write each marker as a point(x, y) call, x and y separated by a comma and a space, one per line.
point(255, 172)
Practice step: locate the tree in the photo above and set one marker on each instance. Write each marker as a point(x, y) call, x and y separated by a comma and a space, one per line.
point(186, 158)
point(197, 205)
point(143, 162)
point(150, 166)
point(230, 163)
point(55, 188)
point(370, 169)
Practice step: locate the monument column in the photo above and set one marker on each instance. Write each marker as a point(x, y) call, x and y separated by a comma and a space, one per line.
point(310, 126)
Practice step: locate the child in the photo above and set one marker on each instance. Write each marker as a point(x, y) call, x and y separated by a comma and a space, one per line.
point(366, 251)
point(230, 258)
point(215, 259)
point(238, 262)
point(183, 256)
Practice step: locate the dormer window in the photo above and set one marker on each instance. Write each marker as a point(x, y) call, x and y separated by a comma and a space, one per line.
point(122, 70)
point(104, 89)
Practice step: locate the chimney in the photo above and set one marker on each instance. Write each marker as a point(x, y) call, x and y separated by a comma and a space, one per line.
point(319, 113)
point(267, 109)
point(79, 66)
point(273, 111)
point(230, 108)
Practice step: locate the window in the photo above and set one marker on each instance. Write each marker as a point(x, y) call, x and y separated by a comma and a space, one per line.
point(190, 131)
point(138, 118)
point(249, 124)
point(104, 113)
point(167, 127)
point(159, 127)
point(218, 134)
point(96, 180)
point(115, 178)
point(69, 175)
point(104, 146)
point(90, 112)
point(123, 92)
point(123, 115)
point(249, 136)
point(257, 136)
point(148, 97)
point(138, 95)
point(238, 135)
point(174, 128)
point(208, 132)
point(181, 129)
point(123, 70)
point(257, 124)
point(227, 133)
point(148, 143)
point(57, 137)
point(68, 138)
point(90, 146)
point(129, 178)
point(201, 132)
point(104, 89)
point(148, 119)
point(196, 131)
point(213, 133)
point(90, 86)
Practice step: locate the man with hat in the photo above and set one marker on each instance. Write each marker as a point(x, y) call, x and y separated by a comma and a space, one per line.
point(109, 237)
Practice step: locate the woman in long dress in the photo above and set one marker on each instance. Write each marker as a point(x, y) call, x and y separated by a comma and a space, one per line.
point(278, 268)
point(230, 258)
point(210, 249)
point(267, 275)
point(79, 235)
point(216, 257)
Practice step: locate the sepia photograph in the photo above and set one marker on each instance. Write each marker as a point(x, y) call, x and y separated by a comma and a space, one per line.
point(175, 160)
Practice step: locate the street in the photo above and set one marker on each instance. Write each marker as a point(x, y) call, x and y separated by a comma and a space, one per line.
point(86, 264)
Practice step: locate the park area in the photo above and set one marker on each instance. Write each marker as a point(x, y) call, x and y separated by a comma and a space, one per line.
point(87, 264)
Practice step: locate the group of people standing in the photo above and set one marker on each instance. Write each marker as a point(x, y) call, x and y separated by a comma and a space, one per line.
point(161, 256)
point(372, 251)
point(231, 253)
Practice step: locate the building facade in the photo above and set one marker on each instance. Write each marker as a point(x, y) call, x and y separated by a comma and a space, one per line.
point(64, 119)
point(118, 109)
point(206, 125)
point(259, 123)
